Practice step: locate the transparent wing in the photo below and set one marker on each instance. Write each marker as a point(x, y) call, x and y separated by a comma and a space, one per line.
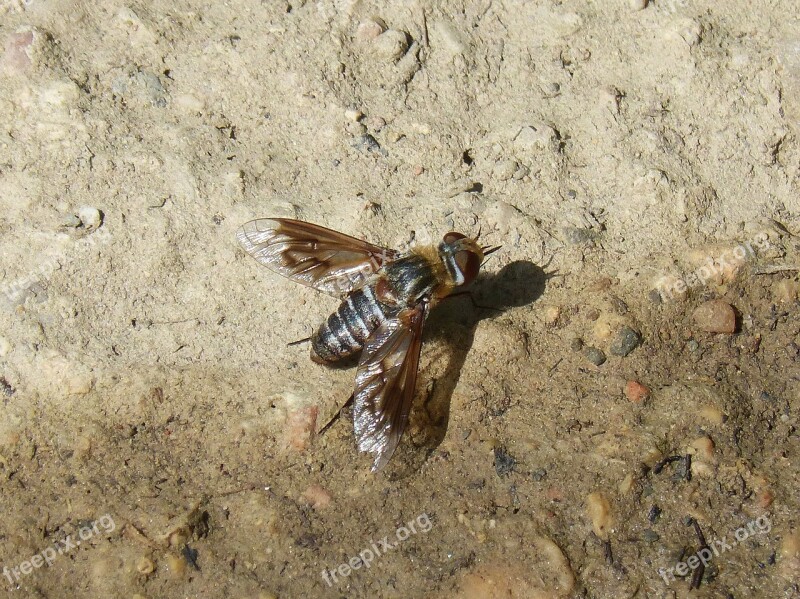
point(312, 255)
point(385, 383)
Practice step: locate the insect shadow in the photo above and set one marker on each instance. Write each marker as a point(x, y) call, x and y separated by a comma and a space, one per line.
point(448, 338)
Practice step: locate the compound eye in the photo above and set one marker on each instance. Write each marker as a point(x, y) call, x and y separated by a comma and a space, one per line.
point(469, 264)
point(453, 236)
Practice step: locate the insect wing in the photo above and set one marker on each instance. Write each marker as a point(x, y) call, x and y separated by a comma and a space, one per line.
point(312, 255)
point(385, 383)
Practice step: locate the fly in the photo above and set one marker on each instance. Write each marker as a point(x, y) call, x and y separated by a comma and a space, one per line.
point(385, 295)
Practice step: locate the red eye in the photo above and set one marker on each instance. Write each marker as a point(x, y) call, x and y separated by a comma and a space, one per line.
point(470, 264)
point(453, 236)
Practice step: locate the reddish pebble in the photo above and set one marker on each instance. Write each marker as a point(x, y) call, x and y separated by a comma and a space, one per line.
point(16, 56)
point(554, 494)
point(317, 497)
point(715, 316)
point(636, 392)
point(300, 427)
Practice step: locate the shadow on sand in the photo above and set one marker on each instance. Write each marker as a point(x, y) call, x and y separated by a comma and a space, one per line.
point(453, 324)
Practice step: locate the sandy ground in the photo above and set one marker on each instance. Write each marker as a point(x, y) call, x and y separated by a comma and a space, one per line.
point(637, 162)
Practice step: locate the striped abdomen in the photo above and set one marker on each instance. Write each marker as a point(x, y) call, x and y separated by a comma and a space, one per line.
point(346, 330)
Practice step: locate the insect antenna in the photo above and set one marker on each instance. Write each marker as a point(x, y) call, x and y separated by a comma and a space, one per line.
point(488, 250)
point(298, 342)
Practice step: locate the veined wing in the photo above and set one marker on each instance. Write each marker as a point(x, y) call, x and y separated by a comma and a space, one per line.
point(385, 383)
point(312, 255)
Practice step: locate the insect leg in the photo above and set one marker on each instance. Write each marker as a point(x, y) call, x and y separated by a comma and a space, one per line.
point(336, 416)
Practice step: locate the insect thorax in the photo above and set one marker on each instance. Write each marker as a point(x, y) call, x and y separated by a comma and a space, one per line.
point(417, 274)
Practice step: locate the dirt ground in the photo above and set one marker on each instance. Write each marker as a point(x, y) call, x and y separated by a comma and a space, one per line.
point(619, 419)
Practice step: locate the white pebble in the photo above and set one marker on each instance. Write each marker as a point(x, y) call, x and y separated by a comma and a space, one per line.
point(638, 4)
point(5, 347)
point(541, 136)
point(90, 217)
point(351, 114)
point(505, 169)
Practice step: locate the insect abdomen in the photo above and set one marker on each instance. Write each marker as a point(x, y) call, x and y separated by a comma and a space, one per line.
point(347, 329)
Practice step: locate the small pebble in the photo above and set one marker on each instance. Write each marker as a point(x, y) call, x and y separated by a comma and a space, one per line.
point(375, 123)
point(599, 510)
point(703, 447)
point(390, 45)
point(653, 513)
point(300, 428)
point(764, 498)
point(317, 497)
point(91, 218)
point(176, 565)
point(576, 344)
point(789, 554)
point(595, 355)
point(692, 345)
point(626, 486)
point(539, 136)
point(370, 29)
point(82, 447)
point(601, 284)
point(578, 236)
point(504, 462)
point(355, 128)
point(627, 340)
point(638, 4)
point(351, 114)
point(71, 221)
point(5, 347)
point(505, 169)
point(715, 316)
point(790, 546)
point(551, 90)
point(145, 566)
point(650, 536)
point(560, 571)
point(521, 172)
point(462, 185)
point(554, 494)
point(786, 291)
point(539, 475)
point(17, 56)
point(366, 143)
point(636, 392)
point(551, 315)
point(79, 384)
point(712, 414)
